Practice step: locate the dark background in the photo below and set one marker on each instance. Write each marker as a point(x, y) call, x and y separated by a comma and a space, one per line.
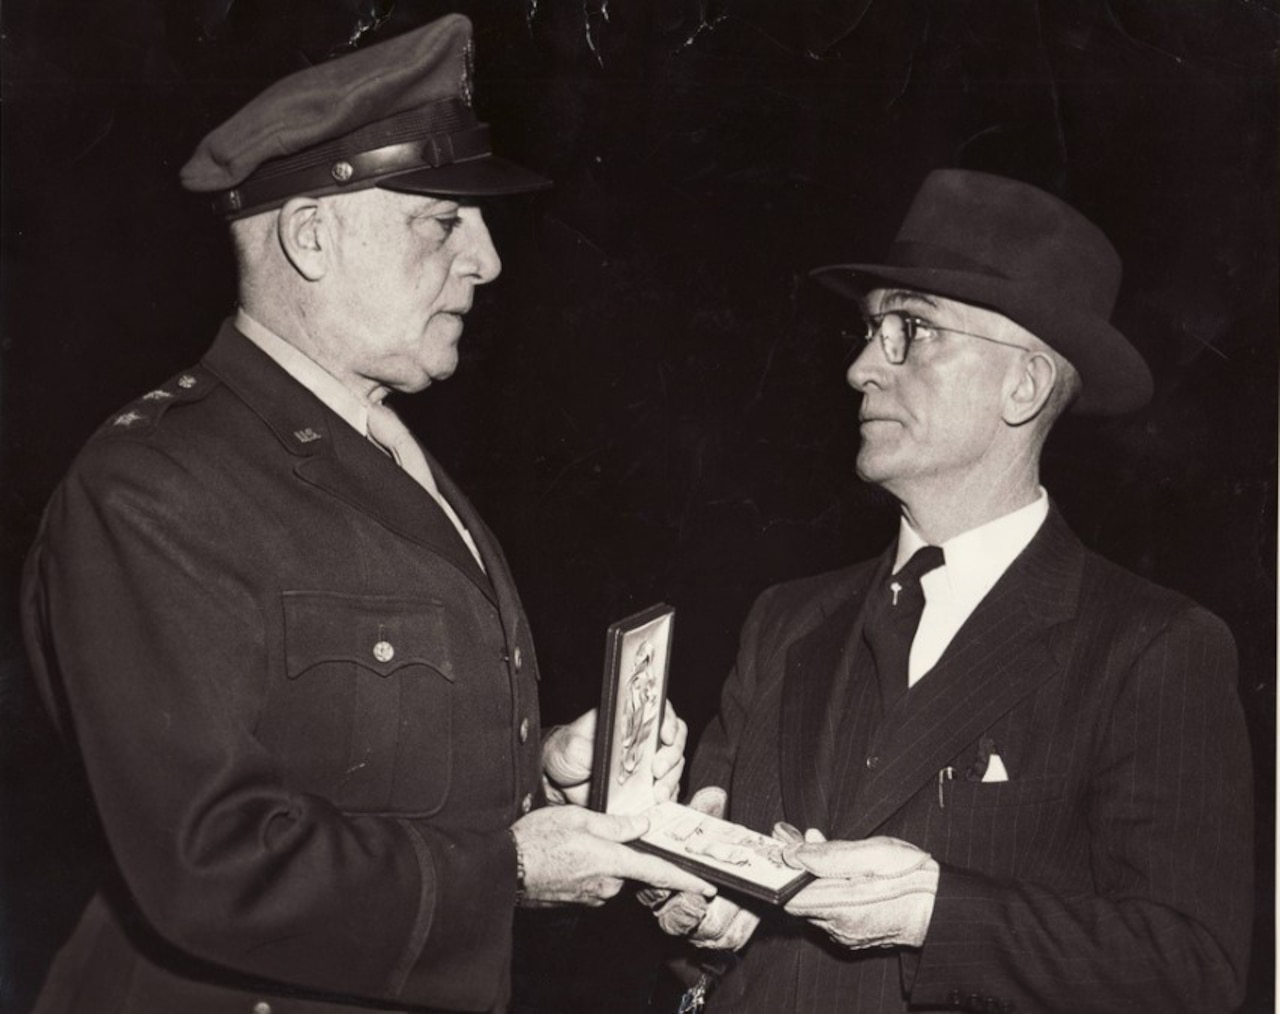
point(651, 403)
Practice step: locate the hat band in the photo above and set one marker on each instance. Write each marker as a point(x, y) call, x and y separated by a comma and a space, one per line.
point(906, 253)
point(348, 173)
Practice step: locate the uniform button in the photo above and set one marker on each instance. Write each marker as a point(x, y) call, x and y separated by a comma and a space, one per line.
point(954, 998)
point(524, 730)
point(873, 762)
point(526, 804)
point(262, 1007)
point(517, 659)
point(383, 651)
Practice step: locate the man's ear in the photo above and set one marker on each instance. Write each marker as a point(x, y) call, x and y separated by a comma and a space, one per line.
point(305, 236)
point(1033, 385)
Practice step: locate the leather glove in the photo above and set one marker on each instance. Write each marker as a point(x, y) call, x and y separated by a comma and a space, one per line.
point(878, 892)
point(716, 923)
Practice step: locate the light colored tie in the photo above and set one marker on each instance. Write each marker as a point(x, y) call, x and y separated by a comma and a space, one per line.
point(386, 430)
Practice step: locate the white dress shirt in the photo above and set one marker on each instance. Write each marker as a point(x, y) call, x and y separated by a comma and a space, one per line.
point(975, 561)
point(330, 390)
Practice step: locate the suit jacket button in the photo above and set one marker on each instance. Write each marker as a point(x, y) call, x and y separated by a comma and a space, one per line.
point(517, 659)
point(262, 1007)
point(526, 804)
point(524, 730)
point(384, 651)
point(873, 762)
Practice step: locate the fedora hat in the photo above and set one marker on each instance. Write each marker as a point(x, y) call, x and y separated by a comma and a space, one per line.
point(395, 115)
point(1009, 247)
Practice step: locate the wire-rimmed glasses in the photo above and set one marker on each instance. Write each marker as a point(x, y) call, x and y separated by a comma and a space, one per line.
point(899, 330)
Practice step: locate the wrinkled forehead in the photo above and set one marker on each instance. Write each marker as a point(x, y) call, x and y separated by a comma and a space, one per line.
point(374, 206)
point(376, 200)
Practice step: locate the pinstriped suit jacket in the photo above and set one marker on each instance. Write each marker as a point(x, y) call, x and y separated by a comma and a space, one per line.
point(1112, 872)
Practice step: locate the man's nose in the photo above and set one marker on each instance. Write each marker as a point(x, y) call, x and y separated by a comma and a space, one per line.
point(869, 368)
point(479, 258)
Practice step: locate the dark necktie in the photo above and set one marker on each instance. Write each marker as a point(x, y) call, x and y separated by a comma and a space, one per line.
point(892, 620)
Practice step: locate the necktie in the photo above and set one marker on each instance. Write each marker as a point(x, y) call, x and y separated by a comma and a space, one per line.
point(891, 621)
point(386, 430)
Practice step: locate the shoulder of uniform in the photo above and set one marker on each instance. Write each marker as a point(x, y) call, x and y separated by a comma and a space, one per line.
point(144, 413)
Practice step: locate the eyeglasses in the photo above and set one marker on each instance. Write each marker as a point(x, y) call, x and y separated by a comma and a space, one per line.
point(898, 331)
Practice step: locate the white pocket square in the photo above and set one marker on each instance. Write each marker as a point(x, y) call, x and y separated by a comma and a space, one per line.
point(996, 771)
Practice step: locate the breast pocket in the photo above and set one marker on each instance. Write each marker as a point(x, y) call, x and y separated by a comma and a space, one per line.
point(360, 710)
point(1024, 828)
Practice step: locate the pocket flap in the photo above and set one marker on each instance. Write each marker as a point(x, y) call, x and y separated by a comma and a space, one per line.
point(380, 633)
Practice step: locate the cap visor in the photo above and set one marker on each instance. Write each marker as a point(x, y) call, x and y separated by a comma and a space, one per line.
point(481, 177)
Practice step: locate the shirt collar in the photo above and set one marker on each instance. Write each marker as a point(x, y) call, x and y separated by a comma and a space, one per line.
point(307, 372)
point(976, 559)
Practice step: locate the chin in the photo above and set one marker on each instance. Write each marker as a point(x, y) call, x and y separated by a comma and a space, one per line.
point(423, 376)
point(869, 466)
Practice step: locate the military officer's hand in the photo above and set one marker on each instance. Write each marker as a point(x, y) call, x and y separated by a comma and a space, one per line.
point(878, 892)
point(567, 753)
point(574, 856)
point(715, 923)
point(568, 750)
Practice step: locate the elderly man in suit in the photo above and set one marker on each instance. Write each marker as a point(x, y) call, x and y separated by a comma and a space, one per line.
point(289, 651)
point(1031, 765)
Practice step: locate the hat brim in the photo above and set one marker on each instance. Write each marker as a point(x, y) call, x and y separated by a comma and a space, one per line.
point(490, 176)
point(1114, 376)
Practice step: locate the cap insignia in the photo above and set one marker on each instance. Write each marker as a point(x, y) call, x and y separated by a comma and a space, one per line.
point(342, 171)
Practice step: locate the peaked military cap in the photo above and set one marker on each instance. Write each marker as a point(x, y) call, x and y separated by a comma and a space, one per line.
point(395, 115)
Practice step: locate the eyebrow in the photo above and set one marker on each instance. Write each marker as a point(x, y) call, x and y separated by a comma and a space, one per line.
point(897, 297)
point(431, 205)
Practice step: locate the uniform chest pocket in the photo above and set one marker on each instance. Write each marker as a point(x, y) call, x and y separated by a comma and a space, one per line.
point(360, 710)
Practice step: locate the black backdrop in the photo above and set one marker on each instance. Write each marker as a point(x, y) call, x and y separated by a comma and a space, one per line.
point(651, 403)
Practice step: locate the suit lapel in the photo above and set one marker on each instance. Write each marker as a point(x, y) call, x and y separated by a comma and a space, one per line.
point(333, 457)
point(1012, 643)
point(816, 682)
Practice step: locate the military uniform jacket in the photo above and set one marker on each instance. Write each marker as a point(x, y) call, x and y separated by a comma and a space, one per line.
point(307, 716)
point(1111, 872)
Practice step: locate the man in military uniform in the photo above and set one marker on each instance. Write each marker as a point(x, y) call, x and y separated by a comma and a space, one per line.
point(289, 651)
point(1031, 765)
